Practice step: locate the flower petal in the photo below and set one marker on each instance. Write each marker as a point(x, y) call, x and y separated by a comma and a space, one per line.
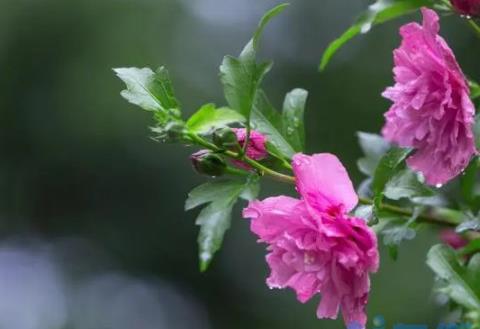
point(324, 183)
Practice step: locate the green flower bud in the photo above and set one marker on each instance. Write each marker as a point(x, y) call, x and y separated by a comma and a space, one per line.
point(208, 163)
point(225, 138)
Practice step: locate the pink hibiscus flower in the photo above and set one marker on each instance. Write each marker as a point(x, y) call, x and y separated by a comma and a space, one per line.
point(432, 110)
point(314, 246)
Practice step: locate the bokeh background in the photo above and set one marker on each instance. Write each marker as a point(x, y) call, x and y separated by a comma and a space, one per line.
point(93, 232)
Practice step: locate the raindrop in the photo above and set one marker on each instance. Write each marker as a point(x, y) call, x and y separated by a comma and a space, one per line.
point(205, 256)
point(438, 185)
point(366, 27)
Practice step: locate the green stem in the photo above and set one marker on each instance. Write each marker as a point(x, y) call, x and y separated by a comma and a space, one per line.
point(474, 26)
point(235, 171)
point(261, 169)
point(444, 217)
point(247, 139)
point(441, 217)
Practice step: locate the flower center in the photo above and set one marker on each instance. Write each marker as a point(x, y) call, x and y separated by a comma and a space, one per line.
point(308, 258)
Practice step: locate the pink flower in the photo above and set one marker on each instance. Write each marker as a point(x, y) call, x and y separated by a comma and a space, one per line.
point(467, 7)
point(432, 110)
point(453, 239)
point(314, 246)
point(256, 145)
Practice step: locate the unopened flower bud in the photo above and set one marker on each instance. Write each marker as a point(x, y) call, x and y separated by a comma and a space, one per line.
point(225, 138)
point(208, 163)
point(453, 239)
point(467, 7)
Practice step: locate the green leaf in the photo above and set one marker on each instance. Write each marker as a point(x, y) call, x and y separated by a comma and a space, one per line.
point(268, 121)
point(386, 169)
point(214, 220)
point(473, 271)
point(397, 234)
point(379, 12)
point(469, 185)
point(251, 189)
point(241, 80)
point(405, 184)
point(293, 111)
point(443, 261)
point(469, 225)
point(393, 252)
point(474, 89)
point(471, 248)
point(374, 147)
point(209, 118)
point(211, 191)
point(364, 212)
point(150, 90)
point(249, 51)
point(241, 76)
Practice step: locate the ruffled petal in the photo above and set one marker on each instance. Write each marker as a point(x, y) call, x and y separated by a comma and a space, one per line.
point(324, 183)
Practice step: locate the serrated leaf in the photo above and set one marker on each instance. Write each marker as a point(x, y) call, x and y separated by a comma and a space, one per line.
point(268, 121)
point(211, 191)
point(209, 118)
point(150, 90)
point(379, 12)
point(241, 76)
point(374, 147)
point(443, 261)
point(386, 169)
point(293, 111)
point(214, 220)
point(240, 81)
point(397, 234)
point(405, 184)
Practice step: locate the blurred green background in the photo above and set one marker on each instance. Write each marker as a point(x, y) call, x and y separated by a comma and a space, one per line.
point(76, 160)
